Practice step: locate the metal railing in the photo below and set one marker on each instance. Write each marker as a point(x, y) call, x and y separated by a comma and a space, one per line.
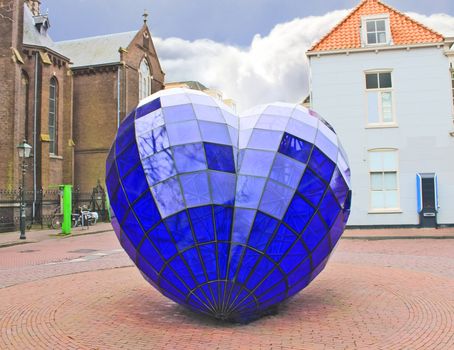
point(48, 202)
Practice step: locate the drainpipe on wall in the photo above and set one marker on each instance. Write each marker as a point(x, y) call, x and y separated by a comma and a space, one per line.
point(118, 97)
point(35, 112)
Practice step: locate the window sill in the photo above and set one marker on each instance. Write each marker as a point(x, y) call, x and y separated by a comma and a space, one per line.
point(385, 211)
point(382, 126)
point(54, 156)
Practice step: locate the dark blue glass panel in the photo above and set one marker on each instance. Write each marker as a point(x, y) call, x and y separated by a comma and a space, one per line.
point(127, 160)
point(223, 219)
point(209, 259)
point(281, 242)
point(295, 256)
point(219, 157)
point(269, 282)
point(329, 208)
point(192, 258)
point(135, 183)
point(321, 252)
point(151, 255)
point(295, 148)
point(262, 231)
point(223, 258)
point(337, 229)
point(163, 241)
point(119, 204)
point(339, 187)
point(321, 164)
point(274, 295)
point(202, 223)
point(314, 232)
point(311, 187)
point(112, 181)
point(125, 137)
point(146, 209)
point(247, 264)
point(128, 246)
point(125, 126)
point(147, 271)
point(148, 108)
point(132, 228)
point(181, 270)
point(179, 225)
point(152, 142)
point(318, 269)
point(297, 287)
point(303, 269)
point(189, 157)
point(172, 279)
point(298, 213)
point(260, 272)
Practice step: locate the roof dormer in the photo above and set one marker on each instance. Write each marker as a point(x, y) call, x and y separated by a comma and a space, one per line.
point(375, 30)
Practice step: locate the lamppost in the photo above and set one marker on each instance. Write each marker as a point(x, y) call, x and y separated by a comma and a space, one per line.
point(24, 150)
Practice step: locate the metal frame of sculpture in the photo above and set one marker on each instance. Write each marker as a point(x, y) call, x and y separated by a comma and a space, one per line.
point(227, 215)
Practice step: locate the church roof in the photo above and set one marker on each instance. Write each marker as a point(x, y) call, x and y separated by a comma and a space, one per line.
point(32, 36)
point(404, 30)
point(97, 50)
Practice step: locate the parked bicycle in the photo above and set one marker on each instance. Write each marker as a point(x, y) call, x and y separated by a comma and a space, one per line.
point(83, 217)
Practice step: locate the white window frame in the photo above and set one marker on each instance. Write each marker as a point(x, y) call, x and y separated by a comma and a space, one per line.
point(144, 81)
point(452, 90)
point(381, 123)
point(396, 209)
point(378, 17)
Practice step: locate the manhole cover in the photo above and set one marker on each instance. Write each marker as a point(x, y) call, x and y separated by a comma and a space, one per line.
point(83, 251)
point(29, 251)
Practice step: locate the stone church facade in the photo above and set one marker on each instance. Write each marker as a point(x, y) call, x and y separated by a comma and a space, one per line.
point(66, 98)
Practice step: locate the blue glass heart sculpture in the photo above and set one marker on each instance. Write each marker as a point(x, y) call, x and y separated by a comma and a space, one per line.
point(223, 214)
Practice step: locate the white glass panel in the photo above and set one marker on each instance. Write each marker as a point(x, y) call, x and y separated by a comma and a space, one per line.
point(375, 161)
point(386, 106)
point(390, 181)
point(376, 181)
point(381, 37)
point(389, 160)
point(391, 199)
point(377, 200)
point(372, 107)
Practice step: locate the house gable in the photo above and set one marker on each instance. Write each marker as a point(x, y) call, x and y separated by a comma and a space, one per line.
point(348, 33)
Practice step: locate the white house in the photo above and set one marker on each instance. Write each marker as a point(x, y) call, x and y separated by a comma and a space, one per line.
point(384, 82)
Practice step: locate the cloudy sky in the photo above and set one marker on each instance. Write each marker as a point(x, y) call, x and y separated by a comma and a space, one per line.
point(252, 50)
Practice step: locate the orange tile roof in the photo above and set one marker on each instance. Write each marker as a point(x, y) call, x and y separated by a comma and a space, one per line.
point(404, 30)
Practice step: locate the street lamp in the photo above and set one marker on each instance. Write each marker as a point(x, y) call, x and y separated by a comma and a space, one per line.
point(24, 150)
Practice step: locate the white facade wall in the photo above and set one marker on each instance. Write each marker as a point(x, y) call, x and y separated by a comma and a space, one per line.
point(423, 109)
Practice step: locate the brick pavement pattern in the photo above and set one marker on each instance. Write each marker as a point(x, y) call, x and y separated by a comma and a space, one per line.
point(84, 294)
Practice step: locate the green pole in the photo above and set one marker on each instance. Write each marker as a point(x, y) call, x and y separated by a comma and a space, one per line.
point(67, 209)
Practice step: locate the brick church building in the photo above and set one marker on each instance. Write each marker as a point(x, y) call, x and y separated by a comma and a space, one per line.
point(66, 98)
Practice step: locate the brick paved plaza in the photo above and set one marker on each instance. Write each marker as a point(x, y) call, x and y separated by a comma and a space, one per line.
point(82, 292)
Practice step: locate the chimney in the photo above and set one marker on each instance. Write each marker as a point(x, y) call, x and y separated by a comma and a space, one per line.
point(33, 5)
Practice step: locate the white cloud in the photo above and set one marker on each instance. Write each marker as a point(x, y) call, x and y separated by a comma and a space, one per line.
point(272, 68)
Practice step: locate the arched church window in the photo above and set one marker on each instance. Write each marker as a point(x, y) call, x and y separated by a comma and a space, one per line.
point(53, 115)
point(144, 79)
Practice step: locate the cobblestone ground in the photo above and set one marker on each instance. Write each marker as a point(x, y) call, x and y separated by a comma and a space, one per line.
point(83, 293)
